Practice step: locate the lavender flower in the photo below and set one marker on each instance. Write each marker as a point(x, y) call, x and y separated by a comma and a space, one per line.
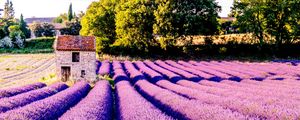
point(29, 97)
point(51, 107)
point(14, 91)
point(97, 105)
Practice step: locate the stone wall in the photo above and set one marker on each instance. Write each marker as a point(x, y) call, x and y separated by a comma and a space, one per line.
point(87, 62)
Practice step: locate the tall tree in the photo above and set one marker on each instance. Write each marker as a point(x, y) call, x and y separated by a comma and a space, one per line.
point(99, 21)
point(279, 19)
point(134, 24)
point(250, 17)
point(283, 20)
point(70, 13)
point(174, 18)
point(24, 27)
point(9, 12)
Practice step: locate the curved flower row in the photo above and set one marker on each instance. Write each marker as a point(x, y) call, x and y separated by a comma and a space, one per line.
point(29, 97)
point(14, 91)
point(258, 109)
point(97, 105)
point(174, 104)
point(130, 104)
point(51, 107)
point(104, 68)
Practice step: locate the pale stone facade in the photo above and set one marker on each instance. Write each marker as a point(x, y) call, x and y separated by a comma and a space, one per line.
point(75, 58)
point(87, 63)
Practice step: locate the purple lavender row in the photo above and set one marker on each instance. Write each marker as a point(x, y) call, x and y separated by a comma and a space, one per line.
point(242, 68)
point(14, 91)
point(104, 68)
point(130, 104)
point(257, 85)
point(97, 105)
point(240, 105)
point(218, 68)
point(176, 105)
point(238, 69)
point(183, 73)
point(265, 69)
point(193, 71)
point(206, 70)
point(51, 107)
point(252, 94)
point(266, 86)
point(273, 83)
point(20, 100)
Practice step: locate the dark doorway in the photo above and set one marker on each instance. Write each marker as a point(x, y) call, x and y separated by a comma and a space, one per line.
point(65, 73)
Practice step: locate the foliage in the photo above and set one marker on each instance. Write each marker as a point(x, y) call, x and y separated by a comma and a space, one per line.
point(6, 23)
point(61, 18)
point(282, 19)
point(17, 36)
point(72, 28)
point(9, 12)
point(37, 45)
point(70, 13)
point(6, 42)
point(99, 21)
point(279, 19)
point(37, 29)
point(24, 27)
point(174, 19)
point(48, 30)
point(44, 29)
point(134, 21)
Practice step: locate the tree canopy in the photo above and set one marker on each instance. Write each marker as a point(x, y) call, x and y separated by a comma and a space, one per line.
point(278, 19)
point(137, 23)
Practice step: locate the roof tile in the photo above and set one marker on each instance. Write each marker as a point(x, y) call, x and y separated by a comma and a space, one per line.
point(75, 43)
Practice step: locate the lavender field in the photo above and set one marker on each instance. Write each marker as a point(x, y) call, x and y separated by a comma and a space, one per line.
point(165, 90)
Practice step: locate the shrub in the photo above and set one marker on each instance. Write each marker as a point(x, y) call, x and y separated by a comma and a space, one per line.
point(6, 42)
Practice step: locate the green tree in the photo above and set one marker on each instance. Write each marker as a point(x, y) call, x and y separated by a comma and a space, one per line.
point(61, 18)
point(24, 27)
point(174, 18)
point(99, 21)
point(48, 30)
point(279, 19)
point(37, 29)
point(16, 35)
point(9, 12)
point(282, 19)
point(72, 28)
point(70, 13)
point(44, 29)
point(134, 24)
point(250, 17)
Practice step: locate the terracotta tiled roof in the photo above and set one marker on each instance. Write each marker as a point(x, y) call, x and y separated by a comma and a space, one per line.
point(74, 43)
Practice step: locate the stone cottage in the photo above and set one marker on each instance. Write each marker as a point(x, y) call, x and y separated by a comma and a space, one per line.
point(75, 58)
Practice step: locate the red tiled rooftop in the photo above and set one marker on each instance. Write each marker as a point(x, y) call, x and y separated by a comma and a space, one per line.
point(75, 43)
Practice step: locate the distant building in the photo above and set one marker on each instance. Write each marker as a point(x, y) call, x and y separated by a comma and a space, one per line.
point(75, 58)
point(57, 26)
point(40, 20)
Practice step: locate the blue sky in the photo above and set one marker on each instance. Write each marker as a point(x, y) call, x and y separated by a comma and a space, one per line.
point(52, 8)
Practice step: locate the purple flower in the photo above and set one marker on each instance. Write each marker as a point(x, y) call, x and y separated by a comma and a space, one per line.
point(51, 107)
point(97, 105)
point(14, 91)
point(29, 97)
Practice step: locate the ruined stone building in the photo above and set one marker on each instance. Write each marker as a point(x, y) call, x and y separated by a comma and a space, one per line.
point(75, 58)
